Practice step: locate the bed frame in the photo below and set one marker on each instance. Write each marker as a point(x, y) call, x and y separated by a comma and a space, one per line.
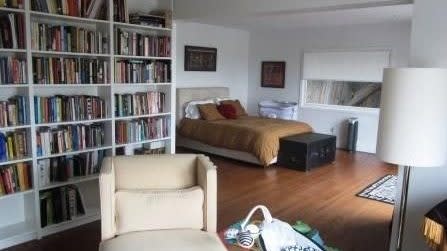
point(185, 95)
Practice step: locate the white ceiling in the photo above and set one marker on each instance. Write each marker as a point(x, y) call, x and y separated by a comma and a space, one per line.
point(343, 17)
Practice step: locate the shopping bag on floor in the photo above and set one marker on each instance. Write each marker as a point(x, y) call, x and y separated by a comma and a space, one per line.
point(275, 235)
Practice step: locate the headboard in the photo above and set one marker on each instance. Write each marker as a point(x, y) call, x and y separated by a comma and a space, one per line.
point(184, 95)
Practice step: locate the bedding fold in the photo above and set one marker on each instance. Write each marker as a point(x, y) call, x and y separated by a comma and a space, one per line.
point(255, 135)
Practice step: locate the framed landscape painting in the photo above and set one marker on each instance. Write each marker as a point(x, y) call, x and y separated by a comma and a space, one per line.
point(273, 74)
point(200, 58)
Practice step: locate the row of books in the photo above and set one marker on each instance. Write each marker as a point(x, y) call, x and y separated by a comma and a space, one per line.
point(141, 129)
point(138, 71)
point(140, 103)
point(60, 204)
point(69, 138)
point(12, 34)
point(68, 108)
point(13, 145)
point(12, 70)
point(14, 111)
point(120, 11)
point(48, 37)
point(135, 44)
point(75, 8)
point(63, 168)
point(15, 178)
point(70, 71)
point(16, 4)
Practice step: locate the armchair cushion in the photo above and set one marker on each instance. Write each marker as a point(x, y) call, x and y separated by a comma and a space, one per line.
point(165, 240)
point(141, 210)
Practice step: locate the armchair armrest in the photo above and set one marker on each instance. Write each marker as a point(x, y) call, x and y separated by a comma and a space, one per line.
point(207, 179)
point(107, 197)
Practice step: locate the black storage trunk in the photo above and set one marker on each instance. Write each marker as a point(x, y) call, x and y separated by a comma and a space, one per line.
point(305, 151)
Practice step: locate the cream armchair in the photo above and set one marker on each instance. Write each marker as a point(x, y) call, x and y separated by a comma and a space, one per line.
point(158, 202)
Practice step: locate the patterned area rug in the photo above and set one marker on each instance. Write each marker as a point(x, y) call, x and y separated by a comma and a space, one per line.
point(383, 190)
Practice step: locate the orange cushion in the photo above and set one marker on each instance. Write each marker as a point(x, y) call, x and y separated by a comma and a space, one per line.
point(209, 112)
point(240, 111)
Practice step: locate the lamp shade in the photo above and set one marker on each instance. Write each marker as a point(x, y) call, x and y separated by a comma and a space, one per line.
point(413, 117)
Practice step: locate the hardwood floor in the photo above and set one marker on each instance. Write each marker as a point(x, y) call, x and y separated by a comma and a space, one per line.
point(324, 198)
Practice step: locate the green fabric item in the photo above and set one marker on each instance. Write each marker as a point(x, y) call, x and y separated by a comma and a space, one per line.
point(302, 227)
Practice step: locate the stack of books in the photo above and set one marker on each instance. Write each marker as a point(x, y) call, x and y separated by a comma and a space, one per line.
point(141, 130)
point(137, 71)
point(12, 34)
point(61, 169)
point(13, 145)
point(68, 108)
point(16, 4)
point(148, 19)
point(60, 204)
point(70, 71)
point(140, 103)
point(134, 44)
point(69, 138)
point(15, 178)
point(75, 8)
point(12, 70)
point(48, 37)
point(14, 112)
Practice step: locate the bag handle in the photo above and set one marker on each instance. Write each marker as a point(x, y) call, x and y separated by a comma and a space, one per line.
point(266, 213)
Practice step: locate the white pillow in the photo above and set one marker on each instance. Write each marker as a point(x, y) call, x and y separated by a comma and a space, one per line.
point(142, 210)
point(191, 109)
point(220, 99)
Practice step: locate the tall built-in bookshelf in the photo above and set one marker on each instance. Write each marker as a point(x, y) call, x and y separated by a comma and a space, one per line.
point(77, 83)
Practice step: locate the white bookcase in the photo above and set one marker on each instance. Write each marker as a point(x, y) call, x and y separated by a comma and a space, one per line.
point(20, 212)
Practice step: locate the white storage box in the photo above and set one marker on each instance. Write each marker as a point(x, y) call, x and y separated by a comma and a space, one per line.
point(278, 109)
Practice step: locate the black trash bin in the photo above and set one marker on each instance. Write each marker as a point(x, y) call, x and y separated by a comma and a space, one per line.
point(353, 128)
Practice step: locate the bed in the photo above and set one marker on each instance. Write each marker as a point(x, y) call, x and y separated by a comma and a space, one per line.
point(250, 139)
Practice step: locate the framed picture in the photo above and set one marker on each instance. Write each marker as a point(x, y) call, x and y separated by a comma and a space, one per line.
point(200, 58)
point(273, 74)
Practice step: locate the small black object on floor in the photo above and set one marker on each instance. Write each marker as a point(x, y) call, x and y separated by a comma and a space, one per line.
point(306, 151)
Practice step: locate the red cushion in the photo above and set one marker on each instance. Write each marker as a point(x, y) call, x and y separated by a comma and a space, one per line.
point(228, 111)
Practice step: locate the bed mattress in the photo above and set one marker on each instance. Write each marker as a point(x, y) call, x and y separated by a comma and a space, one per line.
point(258, 136)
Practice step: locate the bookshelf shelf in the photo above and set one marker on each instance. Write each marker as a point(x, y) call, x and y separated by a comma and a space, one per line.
point(6, 196)
point(10, 162)
point(143, 142)
point(16, 10)
point(143, 116)
point(90, 121)
point(99, 148)
point(24, 208)
point(7, 50)
point(69, 85)
point(64, 53)
point(141, 57)
point(12, 128)
point(13, 85)
point(38, 14)
point(17, 233)
point(91, 214)
point(139, 27)
point(139, 84)
point(71, 181)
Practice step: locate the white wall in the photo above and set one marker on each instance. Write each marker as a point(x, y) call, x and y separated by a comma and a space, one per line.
point(194, 9)
point(232, 57)
point(427, 186)
point(290, 46)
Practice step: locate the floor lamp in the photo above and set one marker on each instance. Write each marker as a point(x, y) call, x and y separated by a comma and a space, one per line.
point(413, 124)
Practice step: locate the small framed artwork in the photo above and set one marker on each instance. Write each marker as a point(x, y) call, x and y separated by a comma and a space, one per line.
point(273, 74)
point(200, 58)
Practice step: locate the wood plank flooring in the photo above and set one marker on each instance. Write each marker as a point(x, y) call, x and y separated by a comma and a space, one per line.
point(324, 198)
